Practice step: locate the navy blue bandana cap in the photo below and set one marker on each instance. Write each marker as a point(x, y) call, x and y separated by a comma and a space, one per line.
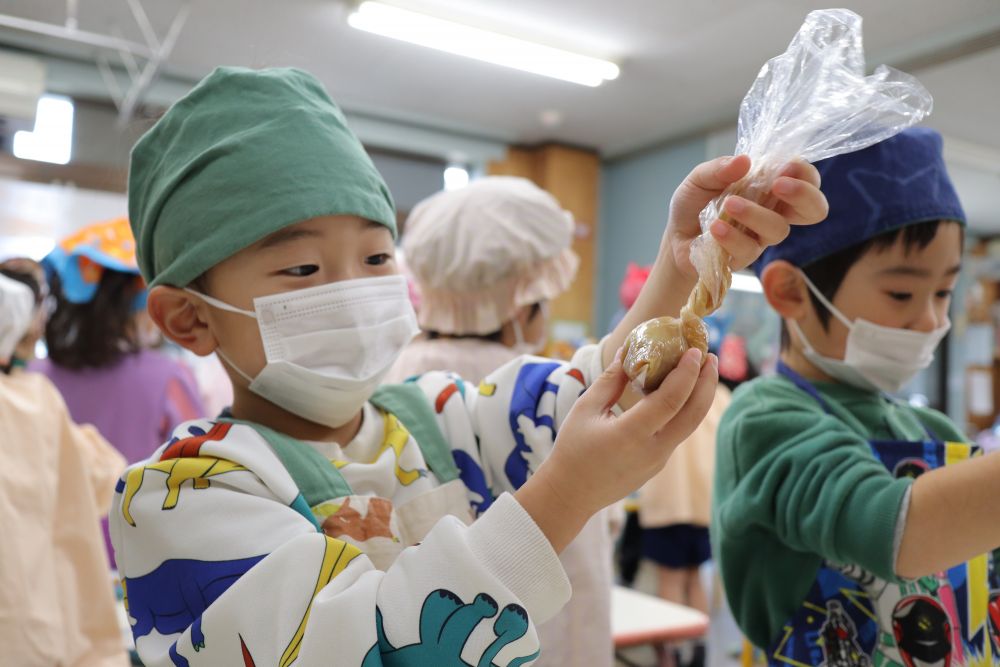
point(895, 183)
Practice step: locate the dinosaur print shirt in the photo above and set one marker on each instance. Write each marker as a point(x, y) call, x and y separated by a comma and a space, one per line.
point(241, 546)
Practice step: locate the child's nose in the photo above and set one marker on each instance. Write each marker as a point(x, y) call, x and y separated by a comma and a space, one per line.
point(931, 318)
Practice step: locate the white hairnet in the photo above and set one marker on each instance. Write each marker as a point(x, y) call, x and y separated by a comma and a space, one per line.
point(17, 305)
point(481, 252)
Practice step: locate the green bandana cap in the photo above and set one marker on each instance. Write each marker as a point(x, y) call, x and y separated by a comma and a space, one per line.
point(244, 154)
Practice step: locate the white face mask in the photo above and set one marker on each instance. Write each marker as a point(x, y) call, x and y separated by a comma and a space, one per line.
point(328, 347)
point(877, 358)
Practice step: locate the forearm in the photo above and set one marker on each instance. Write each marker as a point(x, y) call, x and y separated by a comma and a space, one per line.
point(664, 293)
point(953, 517)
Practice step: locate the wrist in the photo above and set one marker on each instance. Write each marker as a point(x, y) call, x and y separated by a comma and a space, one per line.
point(558, 517)
point(668, 274)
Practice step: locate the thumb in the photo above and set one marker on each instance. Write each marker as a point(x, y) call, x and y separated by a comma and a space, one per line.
point(607, 389)
point(706, 182)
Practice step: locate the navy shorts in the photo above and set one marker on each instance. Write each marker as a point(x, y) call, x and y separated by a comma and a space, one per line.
point(680, 546)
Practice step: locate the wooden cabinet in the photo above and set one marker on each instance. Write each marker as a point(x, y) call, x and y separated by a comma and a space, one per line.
point(572, 176)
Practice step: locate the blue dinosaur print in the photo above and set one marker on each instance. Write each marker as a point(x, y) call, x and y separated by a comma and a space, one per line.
point(174, 595)
point(194, 431)
point(446, 624)
point(474, 479)
point(532, 383)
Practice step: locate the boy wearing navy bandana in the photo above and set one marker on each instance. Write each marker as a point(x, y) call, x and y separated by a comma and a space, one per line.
point(851, 528)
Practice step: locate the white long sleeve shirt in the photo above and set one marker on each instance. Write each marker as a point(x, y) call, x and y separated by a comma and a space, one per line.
point(234, 548)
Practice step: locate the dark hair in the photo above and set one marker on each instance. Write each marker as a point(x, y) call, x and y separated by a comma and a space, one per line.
point(494, 337)
point(98, 333)
point(828, 273)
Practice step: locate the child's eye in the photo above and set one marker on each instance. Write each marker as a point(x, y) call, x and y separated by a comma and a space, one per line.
point(944, 294)
point(900, 296)
point(301, 271)
point(378, 260)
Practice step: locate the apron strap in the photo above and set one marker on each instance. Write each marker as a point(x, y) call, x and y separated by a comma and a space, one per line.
point(317, 478)
point(832, 409)
point(803, 384)
point(408, 403)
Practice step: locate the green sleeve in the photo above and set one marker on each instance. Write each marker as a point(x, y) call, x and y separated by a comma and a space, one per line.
point(794, 487)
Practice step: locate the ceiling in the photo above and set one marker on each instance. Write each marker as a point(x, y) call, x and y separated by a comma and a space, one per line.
point(685, 65)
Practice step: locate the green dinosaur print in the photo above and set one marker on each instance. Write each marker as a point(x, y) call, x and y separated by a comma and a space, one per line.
point(446, 624)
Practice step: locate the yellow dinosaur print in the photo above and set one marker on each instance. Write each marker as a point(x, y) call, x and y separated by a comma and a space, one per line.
point(395, 438)
point(336, 557)
point(197, 469)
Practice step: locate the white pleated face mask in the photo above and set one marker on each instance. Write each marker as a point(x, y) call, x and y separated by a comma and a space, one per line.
point(328, 347)
point(876, 358)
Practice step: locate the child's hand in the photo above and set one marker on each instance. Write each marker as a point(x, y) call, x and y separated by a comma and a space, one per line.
point(600, 458)
point(800, 202)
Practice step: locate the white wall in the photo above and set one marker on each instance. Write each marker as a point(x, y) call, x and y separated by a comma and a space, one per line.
point(33, 215)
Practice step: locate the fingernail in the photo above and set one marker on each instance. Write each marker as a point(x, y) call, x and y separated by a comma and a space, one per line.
point(720, 229)
point(620, 354)
point(696, 356)
point(726, 162)
point(736, 205)
point(784, 187)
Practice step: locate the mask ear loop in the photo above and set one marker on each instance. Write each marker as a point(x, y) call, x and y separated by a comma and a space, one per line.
point(826, 302)
point(222, 305)
point(518, 334)
point(229, 363)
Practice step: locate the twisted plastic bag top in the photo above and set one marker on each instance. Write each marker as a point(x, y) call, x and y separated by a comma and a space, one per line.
point(811, 102)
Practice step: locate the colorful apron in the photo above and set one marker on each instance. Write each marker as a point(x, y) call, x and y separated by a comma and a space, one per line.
point(376, 525)
point(851, 618)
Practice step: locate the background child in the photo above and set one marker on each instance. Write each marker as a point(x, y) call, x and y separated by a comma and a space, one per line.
point(97, 338)
point(487, 259)
point(30, 273)
point(835, 514)
point(56, 600)
point(289, 544)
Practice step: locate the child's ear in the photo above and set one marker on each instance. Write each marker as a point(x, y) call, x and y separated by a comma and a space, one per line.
point(785, 290)
point(179, 316)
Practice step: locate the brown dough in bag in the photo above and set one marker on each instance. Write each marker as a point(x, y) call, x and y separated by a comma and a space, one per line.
point(655, 347)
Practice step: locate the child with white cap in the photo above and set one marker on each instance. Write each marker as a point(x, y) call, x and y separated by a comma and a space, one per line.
point(487, 259)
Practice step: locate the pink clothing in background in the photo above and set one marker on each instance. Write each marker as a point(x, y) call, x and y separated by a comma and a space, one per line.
point(471, 359)
point(135, 404)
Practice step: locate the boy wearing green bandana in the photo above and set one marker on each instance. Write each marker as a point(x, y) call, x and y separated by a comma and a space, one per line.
point(327, 519)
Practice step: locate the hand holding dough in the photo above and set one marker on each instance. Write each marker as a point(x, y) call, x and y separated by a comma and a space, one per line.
point(655, 347)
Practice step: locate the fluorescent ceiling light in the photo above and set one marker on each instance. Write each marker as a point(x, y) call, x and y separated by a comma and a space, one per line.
point(744, 282)
point(52, 138)
point(491, 47)
point(455, 178)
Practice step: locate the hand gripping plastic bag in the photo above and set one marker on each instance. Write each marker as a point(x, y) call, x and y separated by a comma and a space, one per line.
point(811, 102)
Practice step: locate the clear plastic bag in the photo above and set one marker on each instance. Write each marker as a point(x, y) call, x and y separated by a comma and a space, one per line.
point(811, 102)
